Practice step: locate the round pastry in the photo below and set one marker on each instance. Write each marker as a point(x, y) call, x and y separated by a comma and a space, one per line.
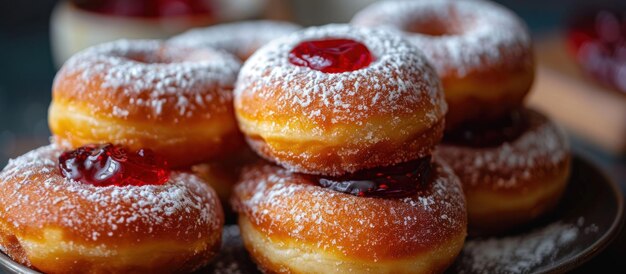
point(176, 101)
point(511, 173)
point(405, 219)
point(337, 99)
point(101, 209)
point(481, 50)
point(241, 39)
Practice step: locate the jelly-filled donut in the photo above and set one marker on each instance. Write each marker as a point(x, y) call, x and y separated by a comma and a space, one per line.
point(337, 99)
point(104, 209)
point(176, 101)
point(512, 172)
point(408, 218)
point(481, 50)
point(241, 39)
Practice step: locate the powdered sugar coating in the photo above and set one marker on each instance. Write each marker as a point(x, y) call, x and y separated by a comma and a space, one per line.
point(541, 151)
point(398, 82)
point(285, 205)
point(35, 197)
point(240, 38)
point(149, 79)
point(477, 34)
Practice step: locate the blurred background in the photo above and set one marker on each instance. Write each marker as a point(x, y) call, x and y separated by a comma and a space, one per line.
point(37, 35)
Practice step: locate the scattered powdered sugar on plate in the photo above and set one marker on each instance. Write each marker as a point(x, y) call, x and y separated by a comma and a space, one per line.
point(523, 253)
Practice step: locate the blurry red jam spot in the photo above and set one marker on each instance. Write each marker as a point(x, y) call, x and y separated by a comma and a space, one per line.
point(402, 180)
point(147, 8)
point(110, 165)
point(331, 55)
point(597, 40)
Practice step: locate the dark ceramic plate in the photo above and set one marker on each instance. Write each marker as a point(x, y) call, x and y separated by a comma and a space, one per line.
point(585, 222)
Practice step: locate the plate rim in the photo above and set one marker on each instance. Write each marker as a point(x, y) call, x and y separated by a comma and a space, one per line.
point(606, 239)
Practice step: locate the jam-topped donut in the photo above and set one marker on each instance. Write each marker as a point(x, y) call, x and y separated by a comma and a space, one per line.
point(337, 99)
point(241, 39)
point(175, 100)
point(374, 222)
point(106, 209)
point(510, 177)
point(481, 50)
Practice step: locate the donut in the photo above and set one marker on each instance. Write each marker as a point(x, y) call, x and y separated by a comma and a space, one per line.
point(241, 39)
point(145, 93)
point(513, 181)
point(298, 223)
point(481, 51)
point(337, 99)
point(57, 224)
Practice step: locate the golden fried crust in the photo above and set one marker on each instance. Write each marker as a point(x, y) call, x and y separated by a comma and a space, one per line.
point(60, 226)
point(175, 100)
point(514, 182)
point(289, 209)
point(332, 158)
point(482, 52)
point(488, 94)
point(323, 123)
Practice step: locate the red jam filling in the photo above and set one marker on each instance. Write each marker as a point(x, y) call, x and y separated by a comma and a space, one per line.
point(597, 40)
point(490, 134)
point(396, 181)
point(147, 8)
point(331, 55)
point(110, 165)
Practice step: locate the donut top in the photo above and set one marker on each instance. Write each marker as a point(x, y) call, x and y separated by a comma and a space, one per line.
point(240, 38)
point(457, 36)
point(398, 81)
point(541, 148)
point(149, 79)
point(35, 196)
point(106, 165)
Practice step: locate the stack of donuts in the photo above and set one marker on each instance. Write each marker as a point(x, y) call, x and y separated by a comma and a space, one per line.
point(513, 162)
point(344, 168)
point(347, 118)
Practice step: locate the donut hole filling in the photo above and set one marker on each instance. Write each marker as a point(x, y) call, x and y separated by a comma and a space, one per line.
point(492, 134)
point(331, 55)
point(110, 165)
point(397, 181)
